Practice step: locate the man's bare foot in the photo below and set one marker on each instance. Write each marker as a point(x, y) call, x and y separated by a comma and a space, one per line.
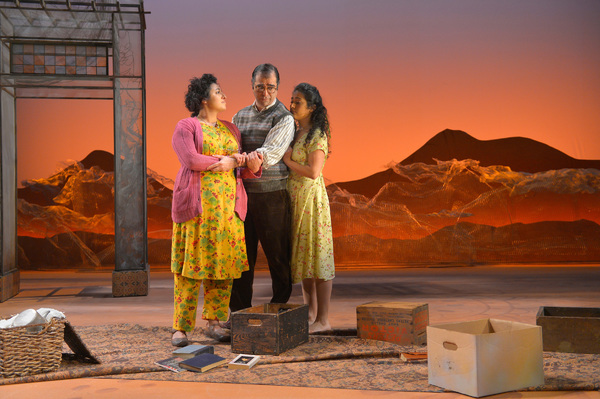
point(318, 326)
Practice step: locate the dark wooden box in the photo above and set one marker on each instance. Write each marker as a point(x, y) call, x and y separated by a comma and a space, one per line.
point(404, 323)
point(269, 329)
point(570, 330)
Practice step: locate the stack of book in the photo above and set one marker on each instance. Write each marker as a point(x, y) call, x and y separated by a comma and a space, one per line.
point(201, 358)
point(198, 358)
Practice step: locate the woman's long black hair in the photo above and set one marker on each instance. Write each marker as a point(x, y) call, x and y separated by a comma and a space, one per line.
point(318, 118)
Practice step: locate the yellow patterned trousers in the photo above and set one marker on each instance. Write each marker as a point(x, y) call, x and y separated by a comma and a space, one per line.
point(217, 294)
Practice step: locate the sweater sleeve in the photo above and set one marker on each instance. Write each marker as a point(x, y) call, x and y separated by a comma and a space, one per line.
point(185, 147)
point(248, 174)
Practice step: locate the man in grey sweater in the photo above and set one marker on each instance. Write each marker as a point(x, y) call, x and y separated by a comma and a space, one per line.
point(268, 128)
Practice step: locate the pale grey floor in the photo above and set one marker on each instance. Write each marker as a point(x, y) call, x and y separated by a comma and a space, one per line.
point(453, 293)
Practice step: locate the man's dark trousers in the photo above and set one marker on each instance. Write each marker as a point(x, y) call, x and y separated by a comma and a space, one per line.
point(269, 221)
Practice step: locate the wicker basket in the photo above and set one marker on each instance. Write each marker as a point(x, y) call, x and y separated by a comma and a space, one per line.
point(23, 352)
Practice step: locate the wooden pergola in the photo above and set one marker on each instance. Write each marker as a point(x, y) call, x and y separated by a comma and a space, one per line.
point(62, 49)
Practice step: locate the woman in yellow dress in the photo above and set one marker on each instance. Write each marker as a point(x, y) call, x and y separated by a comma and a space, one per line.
point(209, 207)
point(312, 242)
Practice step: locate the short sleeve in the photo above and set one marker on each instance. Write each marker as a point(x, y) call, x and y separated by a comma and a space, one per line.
point(318, 142)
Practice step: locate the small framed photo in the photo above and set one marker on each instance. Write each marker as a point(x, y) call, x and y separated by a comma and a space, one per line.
point(243, 361)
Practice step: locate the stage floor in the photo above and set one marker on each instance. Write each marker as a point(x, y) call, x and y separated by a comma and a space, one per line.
point(453, 293)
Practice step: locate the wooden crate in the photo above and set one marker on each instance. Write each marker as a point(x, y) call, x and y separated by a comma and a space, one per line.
point(404, 323)
point(570, 330)
point(269, 329)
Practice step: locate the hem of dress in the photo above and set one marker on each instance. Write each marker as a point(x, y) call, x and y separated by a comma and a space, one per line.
point(209, 278)
point(317, 278)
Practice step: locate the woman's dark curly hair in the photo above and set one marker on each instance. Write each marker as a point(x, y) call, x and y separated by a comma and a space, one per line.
point(318, 118)
point(198, 90)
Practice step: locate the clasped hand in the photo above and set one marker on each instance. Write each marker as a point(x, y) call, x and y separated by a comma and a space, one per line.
point(252, 161)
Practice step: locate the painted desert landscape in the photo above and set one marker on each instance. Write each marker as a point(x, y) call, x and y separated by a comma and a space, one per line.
point(456, 200)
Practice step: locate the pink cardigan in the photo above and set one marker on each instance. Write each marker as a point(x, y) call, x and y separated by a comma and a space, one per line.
point(187, 143)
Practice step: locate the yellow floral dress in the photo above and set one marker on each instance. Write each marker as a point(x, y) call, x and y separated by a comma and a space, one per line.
point(212, 245)
point(312, 242)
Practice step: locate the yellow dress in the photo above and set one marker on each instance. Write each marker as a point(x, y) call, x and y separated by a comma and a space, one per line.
point(212, 245)
point(312, 242)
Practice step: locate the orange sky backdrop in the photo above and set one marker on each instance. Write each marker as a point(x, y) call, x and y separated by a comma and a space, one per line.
point(393, 73)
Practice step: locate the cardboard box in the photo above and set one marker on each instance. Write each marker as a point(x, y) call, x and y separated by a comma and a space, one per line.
point(404, 323)
point(269, 329)
point(571, 330)
point(485, 357)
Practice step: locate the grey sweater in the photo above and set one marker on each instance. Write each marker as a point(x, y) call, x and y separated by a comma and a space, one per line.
point(255, 127)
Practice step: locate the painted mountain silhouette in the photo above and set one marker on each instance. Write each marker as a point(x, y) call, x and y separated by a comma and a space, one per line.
point(102, 159)
point(67, 219)
point(426, 198)
point(42, 192)
point(416, 212)
point(518, 153)
point(80, 197)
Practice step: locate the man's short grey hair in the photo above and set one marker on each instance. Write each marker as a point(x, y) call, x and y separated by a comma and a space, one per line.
point(265, 69)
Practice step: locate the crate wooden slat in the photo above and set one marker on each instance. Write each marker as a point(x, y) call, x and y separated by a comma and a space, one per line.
point(269, 329)
point(404, 323)
point(570, 329)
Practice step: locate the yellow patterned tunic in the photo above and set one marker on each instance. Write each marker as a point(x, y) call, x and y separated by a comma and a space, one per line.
point(212, 245)
point(312, 242)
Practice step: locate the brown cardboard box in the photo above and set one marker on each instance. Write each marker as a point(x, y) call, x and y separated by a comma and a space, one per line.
point(404, 323)
point(269, 329)
point(485, 357)
point(571, 330)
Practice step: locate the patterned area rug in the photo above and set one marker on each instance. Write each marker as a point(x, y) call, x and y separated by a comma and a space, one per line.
point(326, 361)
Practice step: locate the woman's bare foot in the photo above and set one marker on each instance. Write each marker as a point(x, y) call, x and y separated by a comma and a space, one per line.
point(319, 326)
point(311, 318)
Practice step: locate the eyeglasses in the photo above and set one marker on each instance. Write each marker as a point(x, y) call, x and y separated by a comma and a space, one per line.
point(269, 88)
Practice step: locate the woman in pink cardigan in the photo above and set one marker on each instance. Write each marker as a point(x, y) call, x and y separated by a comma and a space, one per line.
point(209, 207)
